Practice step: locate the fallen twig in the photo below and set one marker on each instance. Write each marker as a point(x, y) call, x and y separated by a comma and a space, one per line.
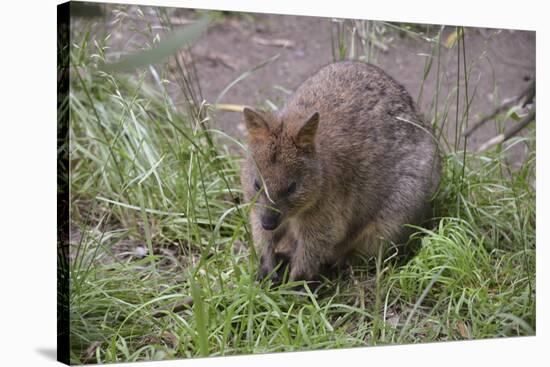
point(229, 107)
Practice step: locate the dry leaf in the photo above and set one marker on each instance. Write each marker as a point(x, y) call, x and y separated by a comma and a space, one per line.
point(452, 38)
point(90, 351)
point(463, 330)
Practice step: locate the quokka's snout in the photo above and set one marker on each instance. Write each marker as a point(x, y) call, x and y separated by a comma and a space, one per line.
point(270, 219)
point(348, 161)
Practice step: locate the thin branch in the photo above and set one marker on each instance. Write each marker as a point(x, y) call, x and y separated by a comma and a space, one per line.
point(508, 133)
point(528, 94)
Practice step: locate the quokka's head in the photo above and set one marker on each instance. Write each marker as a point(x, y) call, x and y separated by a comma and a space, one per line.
point(282, 170)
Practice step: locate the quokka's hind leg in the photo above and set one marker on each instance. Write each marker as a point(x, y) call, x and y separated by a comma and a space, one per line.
point(369, 239)
point(392, 226)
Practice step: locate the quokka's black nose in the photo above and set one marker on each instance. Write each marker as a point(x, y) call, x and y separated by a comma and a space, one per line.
point(270, 221)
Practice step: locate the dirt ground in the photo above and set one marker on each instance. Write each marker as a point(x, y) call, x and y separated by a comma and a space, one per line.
point(504, 59)
point(501, 63)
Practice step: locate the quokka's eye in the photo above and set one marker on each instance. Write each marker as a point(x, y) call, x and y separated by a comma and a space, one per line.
point(291, 188)
point(257, 185)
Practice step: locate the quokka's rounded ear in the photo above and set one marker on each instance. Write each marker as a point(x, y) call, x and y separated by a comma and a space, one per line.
point(255, 123)
point(306, 136)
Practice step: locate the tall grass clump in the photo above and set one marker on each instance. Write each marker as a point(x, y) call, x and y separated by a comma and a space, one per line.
point(474, 273)
point(151, 200)
point(161, 260)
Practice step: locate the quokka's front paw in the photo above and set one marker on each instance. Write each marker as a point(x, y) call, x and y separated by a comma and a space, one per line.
point(309, 277)
point(303, 271)
point(264, 272)
point(300, 275)
point(304, 264)
point(268, 268)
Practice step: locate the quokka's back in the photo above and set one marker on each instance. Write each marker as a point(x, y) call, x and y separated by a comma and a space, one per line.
point(347, 161)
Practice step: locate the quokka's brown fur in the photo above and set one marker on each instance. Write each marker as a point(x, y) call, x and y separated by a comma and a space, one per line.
point(346, 162)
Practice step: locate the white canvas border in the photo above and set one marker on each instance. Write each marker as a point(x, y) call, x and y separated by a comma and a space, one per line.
point(27, 151)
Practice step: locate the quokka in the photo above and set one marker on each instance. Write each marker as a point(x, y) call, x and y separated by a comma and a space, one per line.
point(345, 164)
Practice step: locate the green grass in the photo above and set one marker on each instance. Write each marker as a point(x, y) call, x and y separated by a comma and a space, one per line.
point(157, 221)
